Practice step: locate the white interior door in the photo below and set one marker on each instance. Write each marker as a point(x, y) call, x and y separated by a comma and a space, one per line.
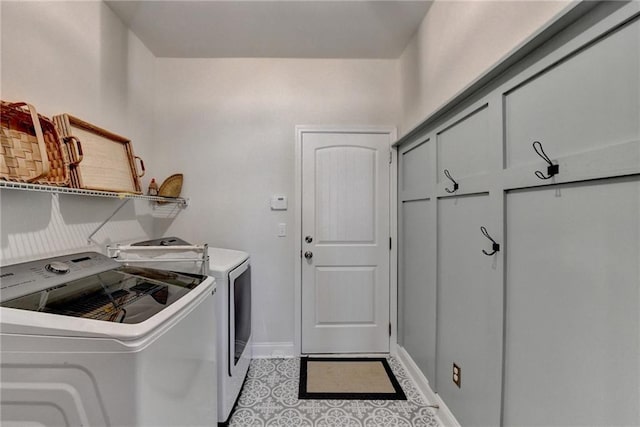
point(345, 242)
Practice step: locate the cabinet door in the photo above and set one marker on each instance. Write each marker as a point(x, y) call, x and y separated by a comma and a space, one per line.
point(572, 340)
point(418, 287)
point(416, 272)
point(589, 100)
point(469, 312)
point(415, 171)
point(463, 147)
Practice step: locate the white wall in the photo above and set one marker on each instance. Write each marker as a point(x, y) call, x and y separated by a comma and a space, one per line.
point(229, 126)
point(457, 42)
point(74, 57)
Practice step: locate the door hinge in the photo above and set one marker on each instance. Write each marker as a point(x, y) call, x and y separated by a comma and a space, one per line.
point(390, 156)
point(389, 243)
point(300, 253)
point(389, 328)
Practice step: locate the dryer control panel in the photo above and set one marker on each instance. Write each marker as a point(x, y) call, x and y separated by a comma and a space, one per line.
point(34, 276)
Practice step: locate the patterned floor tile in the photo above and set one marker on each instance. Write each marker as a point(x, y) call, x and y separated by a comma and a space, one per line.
point(269, 398)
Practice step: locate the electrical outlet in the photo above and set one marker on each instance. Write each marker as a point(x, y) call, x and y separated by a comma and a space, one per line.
point(457, 375)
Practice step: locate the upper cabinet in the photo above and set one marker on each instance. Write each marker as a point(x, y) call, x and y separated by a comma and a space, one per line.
point(416, 171)
point(587, 100)
point(463, 146)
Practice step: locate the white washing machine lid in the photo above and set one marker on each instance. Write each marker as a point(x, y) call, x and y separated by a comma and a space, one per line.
point(89, 295)
point(222, 261)
point(23, 322)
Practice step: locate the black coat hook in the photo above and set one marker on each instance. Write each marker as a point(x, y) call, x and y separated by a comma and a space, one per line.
point(551, 169)
point(495, 246)
point(455, 184)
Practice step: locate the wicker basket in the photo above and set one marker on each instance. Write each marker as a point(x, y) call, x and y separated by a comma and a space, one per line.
point(30, 148)
point(171, 187)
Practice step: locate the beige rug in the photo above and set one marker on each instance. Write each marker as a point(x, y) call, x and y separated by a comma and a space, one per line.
point(348, 378)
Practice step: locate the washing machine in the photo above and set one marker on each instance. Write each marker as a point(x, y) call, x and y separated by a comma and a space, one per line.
point(232, 271)
point(89, 341)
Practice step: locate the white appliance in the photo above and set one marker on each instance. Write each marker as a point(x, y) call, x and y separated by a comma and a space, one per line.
point(232, 271)
point(88, 341)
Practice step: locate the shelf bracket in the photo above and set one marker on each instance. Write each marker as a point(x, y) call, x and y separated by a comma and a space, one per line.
point(124, 202)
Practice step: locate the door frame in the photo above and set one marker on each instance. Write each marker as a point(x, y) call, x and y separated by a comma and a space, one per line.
point(393, 225)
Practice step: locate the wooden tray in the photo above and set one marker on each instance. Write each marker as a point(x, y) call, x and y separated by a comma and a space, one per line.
point(108, 162)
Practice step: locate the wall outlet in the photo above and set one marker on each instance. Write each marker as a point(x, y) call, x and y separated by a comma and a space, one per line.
point(457, 375)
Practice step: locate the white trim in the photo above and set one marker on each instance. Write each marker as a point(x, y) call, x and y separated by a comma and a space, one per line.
point(393, 253)
point(297, 248)
point(444, 416)
point(297, 212)
point(268, 350)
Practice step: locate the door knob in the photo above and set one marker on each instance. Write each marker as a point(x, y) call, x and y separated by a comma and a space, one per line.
point(308, 255)
point(308, 239)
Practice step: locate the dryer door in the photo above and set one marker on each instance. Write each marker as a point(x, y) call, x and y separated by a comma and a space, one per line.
point(239, 313)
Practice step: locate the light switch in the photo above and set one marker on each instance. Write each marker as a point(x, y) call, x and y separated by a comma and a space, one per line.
point(279, 202)
point(282, 229)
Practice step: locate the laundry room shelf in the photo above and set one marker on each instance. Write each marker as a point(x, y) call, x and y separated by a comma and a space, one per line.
point(91, 193)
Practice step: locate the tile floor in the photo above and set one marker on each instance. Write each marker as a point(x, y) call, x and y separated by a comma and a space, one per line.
point(270, 398)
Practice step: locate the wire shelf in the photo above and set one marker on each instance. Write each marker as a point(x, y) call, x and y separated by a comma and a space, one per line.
point(25, 186)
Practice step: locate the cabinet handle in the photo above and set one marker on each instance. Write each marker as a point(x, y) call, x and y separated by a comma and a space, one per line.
point(551, 169)
point(455, 184)
point(495, 246)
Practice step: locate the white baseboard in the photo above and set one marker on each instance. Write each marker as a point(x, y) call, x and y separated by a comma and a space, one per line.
point(268, 350)
point(444, 415)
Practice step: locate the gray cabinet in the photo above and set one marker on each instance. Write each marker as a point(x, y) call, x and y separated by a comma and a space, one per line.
point(573, 297)
point(546, 331)
point(470, 312)
point(588, 100)
point(416, 267)
point(418, 297)
point(416, 171)
point(463, 146)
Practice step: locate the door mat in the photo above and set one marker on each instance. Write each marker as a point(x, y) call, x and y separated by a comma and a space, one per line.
point(348, 378)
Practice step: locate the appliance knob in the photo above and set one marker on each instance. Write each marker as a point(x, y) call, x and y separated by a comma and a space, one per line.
point(308, 255)
point(57, 267)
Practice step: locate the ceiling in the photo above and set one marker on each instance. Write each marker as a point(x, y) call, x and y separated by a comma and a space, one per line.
point(274, 29)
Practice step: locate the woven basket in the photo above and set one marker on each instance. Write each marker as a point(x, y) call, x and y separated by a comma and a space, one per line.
point(171, 187)
point(30, 149)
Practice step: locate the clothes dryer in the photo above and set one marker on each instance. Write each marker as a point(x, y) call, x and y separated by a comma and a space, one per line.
point(232, 271)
